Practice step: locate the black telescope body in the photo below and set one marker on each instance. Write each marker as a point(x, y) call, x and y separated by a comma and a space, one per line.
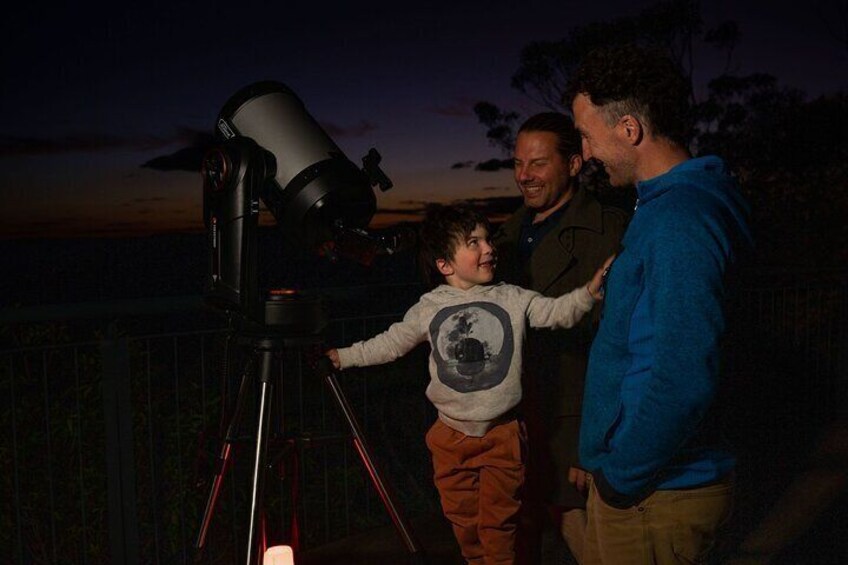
point(271, 149)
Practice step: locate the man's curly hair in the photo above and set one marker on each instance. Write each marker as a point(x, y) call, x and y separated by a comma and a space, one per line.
point(444, 228)
point(643, 82)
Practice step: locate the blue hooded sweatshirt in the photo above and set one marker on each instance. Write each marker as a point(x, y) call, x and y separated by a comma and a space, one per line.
point(654, 364)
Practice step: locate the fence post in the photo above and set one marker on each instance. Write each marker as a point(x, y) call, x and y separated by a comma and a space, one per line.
point(120, 460)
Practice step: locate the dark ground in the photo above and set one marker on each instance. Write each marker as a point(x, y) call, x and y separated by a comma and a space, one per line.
point(384, 547)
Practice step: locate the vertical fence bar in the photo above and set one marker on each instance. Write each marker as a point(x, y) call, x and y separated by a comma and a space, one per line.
point(279, 404)
point(226, 369)
point(47, 429)
point(151, 450)
point(345, 453)
point(15, 472)
point(303, 477)
point(180, 475)
point(842, 351)
point(324, 458)
point(120, 461)
point(203, 393)
point(84, 546)
point(346, 464)
point(203, 381)
point(368, 494)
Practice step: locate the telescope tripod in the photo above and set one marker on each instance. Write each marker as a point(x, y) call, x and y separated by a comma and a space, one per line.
point(261, 366)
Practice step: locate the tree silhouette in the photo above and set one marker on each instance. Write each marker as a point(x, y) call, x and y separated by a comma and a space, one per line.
point(545, 67)
point(834, 17)
point(791, 157)
point(787, 151)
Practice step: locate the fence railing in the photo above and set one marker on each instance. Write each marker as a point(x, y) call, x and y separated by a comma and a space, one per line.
point(112, 440)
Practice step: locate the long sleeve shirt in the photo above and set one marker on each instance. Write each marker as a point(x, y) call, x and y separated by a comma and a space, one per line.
point(476, 339)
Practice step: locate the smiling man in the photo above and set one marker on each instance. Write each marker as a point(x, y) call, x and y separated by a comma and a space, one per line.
point(661, 478)
point(555, 240)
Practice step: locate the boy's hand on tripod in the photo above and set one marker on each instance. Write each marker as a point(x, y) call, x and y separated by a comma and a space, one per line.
point(333, 354)
point(322, 362)
point(323, 366)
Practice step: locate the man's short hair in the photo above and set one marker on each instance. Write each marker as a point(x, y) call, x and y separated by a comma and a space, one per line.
point(568, 138)
point(443, 229)
point(640, 81)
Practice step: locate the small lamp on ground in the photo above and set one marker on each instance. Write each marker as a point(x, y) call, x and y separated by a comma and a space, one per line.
point(278, 555)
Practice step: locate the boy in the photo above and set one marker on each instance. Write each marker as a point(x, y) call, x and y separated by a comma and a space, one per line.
point(475, 331)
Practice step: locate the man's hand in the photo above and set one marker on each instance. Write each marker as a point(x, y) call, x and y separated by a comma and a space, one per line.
point(579, 478)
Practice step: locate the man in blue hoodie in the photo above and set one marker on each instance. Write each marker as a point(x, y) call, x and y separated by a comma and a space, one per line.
point(660, 480)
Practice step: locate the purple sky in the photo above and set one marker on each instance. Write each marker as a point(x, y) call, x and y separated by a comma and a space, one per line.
point(90, 94)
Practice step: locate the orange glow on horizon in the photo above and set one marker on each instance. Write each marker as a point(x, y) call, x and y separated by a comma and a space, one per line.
point(84, 228)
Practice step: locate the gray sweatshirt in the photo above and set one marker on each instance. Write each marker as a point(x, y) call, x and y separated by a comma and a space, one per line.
point(475, 337)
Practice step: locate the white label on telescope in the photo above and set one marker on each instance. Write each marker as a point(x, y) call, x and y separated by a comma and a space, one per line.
point(225, 129)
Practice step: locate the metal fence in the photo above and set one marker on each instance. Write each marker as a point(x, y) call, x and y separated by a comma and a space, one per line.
point(111, 441)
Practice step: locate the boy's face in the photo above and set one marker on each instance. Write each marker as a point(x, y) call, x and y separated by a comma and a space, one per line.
point(473, 261)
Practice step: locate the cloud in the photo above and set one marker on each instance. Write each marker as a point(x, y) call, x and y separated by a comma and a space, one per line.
point(493, 206)
point(146, 200)
point(16, 146)
point(459, 107)
point(362, 128)
point(411, 211)
point(409, 207)
point(496, 205)
point(494, 165)
point(81, 227)
point(186, 159)
point(491, 165)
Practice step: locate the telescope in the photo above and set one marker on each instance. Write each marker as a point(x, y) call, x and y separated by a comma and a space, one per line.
point(270, 150)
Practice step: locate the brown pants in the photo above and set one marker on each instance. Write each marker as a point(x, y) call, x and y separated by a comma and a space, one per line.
point(669, 527)
point(479, 481)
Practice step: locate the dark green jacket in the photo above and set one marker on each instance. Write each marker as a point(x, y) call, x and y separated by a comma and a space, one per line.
point(568, 256)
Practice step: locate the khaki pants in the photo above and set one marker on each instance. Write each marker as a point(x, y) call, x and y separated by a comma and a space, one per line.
point(479, 481)
point(668, 527)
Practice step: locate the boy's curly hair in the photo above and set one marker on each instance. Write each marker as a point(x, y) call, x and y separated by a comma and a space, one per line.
point(641, 81)
point(443, 229)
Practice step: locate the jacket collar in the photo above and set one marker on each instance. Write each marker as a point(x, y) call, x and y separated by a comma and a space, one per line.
point(555, 252)
point(583, 212)
point(653, 187)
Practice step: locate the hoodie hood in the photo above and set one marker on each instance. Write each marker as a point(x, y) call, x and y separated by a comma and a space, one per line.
point(710, 175)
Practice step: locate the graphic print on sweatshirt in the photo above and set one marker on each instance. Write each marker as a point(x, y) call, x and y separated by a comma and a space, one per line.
point(472, 345)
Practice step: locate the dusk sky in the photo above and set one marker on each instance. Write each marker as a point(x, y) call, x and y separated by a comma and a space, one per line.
point(90, 94)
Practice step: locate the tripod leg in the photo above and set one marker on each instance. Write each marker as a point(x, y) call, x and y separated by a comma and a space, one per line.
point(400, 523)
point(261, 444)
point(223, 462)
